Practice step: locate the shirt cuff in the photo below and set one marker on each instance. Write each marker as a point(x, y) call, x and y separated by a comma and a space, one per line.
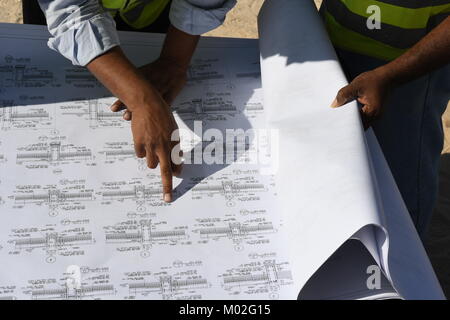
point(196, 20)
point(87, 39)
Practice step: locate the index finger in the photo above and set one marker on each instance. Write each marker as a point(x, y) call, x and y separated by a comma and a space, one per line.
point(345, 95)
point(166, 173)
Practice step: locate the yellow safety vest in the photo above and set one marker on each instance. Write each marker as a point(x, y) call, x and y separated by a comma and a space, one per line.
point(403, 23)
point(136, 13)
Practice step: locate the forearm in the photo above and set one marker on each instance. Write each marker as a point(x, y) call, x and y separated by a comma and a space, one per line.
point(152, 123)
point(121, 77)
point(432, 52)
point(179, 47)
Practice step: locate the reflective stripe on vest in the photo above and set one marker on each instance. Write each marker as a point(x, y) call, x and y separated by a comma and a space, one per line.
point(403, 23)
point(113, 4)
point(136, 13)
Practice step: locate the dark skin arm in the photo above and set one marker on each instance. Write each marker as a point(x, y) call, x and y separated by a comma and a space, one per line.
point(168, 72)
point(371, 88)
point(152, 124)
point(144, 92)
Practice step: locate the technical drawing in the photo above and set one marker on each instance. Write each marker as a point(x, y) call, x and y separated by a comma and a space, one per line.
point(53, 242)
point(29, 117)
point(76, 284)
point(73, 294)
point(78, 198)
point(8, 292)
point(69, 198)
point(53, 153)
point(251, 232)
point(247, 72)
point(205, 70)
point(231, 189)
point(130, 153)
point(256, 277)
point(255, 106)
point(119, 151)
point(81, 78)
point(250, 74)
point(96, 112)
point(220, 152)
point(205, 106)
point(215, 102)
point(18, 72)
point(174, 282)
point(100, 115)
point(111, 156)
point(144, 233)
point(135, 191)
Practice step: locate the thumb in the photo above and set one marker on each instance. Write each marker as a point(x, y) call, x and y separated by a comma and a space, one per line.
point(345, 95)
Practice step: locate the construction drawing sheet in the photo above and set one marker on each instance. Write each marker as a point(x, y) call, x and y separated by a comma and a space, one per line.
point(83, 218)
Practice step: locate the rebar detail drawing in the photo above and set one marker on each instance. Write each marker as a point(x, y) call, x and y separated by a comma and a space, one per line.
point(81, 78)
point(99, 116)
point(118, 151)
point(69, 198)
point(230, 190)
point(19, 72)
point(172, 282)
point(252, 232)
point(96, 112)
point(53, 242)
point(251, 278)
point(205, 69)
point(144, 233)
point(137, 192)
point(8, 292)
point(25, 117)
point(54, 153)
point(73, 293)
point(76, 284)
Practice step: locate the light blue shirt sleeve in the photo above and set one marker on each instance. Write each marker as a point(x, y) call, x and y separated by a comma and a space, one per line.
point(199, 16)
point(81, 29)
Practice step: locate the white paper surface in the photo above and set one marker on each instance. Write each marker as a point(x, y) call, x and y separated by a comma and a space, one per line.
point(342, 196)
point(410, 270)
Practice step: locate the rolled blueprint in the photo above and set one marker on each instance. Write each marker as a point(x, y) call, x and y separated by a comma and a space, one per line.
point(332, 184)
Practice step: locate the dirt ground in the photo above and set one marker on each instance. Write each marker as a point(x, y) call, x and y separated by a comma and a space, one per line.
point(241, 22)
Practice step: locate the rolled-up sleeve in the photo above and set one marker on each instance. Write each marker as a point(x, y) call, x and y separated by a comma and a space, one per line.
point(81, 30)
point(199, 16)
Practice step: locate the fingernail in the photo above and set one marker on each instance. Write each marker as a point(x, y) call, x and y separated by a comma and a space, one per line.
point(334, 104)
point(167, 197)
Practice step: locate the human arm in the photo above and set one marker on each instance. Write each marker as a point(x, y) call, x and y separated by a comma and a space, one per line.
point(153, 123)
point(85, 34)
point(189, 19)
point(371, 88)
point(168, 72)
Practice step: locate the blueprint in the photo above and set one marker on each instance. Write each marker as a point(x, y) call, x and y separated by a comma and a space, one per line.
point(287, 181)
point(83, 218)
